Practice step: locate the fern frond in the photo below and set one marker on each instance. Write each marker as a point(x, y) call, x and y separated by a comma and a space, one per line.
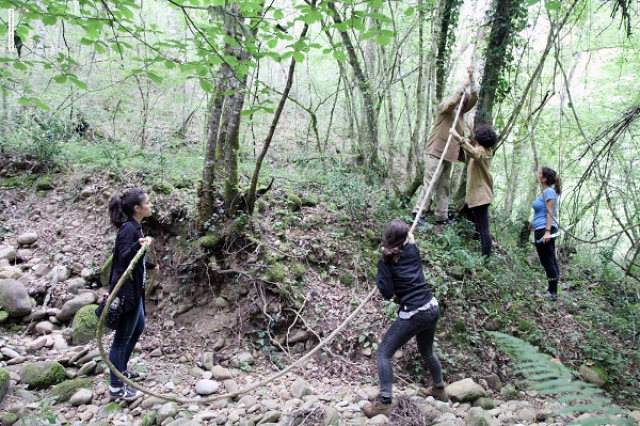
point(552, 378)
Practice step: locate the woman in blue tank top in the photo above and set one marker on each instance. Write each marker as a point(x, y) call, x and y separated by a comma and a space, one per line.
point(544, 225)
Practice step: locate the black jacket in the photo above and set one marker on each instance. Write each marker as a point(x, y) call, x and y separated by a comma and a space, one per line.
point(126, 247)
point(404, 279)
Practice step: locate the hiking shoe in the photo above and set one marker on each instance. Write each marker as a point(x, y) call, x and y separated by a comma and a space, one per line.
point(551, 297)
point(445, 222)
point(438, 394)
point(420, 222)
point(125, 392)
point(378, 407)
point(132, 375)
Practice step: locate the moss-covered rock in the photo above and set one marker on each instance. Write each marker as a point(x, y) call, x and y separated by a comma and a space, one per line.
point(105, 272)
point(5, 380)
point(85, 324)
point(66, 389)
point(44, 183)
point(297, 270)
point(276, 274)
point(149, 420)
point(41, 375)
point(110, 408)
point(163, 187)
point(9, 419)
point(4, 316)
point(211, 241)
point(310, 200)
point(293, 201)
point(484, 403)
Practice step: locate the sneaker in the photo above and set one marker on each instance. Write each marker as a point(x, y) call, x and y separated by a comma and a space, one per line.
point(132, 375)
point(420, 221)
point(551, 297)
point(378, 407)
point(125, 392)
point(438, 394)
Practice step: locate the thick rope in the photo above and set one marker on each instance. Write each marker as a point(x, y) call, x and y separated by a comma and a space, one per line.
point(175, 398)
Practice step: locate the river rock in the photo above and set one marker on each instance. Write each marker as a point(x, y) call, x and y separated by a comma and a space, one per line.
point(82, 397)
point(70, 308)
point(58, 274)
point(221, 373)
point(207, 387)
point(10, 272)
point(14, 298)
point(7, 253)
point(27, 238)
point(465, 390)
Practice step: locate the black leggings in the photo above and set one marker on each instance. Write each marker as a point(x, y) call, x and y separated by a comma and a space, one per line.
point(481, 219)
point(547, 255)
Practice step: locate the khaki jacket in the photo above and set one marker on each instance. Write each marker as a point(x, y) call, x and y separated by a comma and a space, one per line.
point(479, 180)
point(444, 121)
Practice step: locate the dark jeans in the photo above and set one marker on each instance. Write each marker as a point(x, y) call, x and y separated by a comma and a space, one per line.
point(423, 326)
point(547, 255)
point(481, 219)
point(127, 335)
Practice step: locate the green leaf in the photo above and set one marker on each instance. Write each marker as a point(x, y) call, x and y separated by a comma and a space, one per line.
point(410, 11)
point(20, 66)
point(382, 40)
point(60, 79)
point(206, 85)
point(218, 2)
point(40, 104)
point(24, 101)
point(81, 84)
point(278, 14)
point(86, 41)
point(154, 77)
point(339, 55)
point(272, 43)
point(368, 35)
point(169, 64)
point(298, 57)
point(553, 4)
point(49, 20)
point(361, 338)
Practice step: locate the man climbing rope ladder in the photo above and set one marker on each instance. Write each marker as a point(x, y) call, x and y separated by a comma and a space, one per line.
point(446, 118)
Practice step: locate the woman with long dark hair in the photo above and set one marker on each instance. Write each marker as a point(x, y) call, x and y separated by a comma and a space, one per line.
point(544, 225)
point(400, 275)
point(126, 211)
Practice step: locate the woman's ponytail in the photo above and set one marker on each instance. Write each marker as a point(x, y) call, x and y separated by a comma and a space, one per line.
point(121, 205)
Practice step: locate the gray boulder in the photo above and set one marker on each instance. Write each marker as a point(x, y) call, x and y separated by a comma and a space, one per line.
point(465, 390)
point(14, 298)
point(7, 253)
point(70, 308)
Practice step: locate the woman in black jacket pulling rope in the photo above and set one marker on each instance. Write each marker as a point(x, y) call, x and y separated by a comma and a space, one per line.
point(126, 212)
point(400, 275)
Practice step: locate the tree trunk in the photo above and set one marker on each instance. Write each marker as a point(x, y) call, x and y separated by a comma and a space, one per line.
point(368, 135)
point(446, 38)
point(503, 18)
